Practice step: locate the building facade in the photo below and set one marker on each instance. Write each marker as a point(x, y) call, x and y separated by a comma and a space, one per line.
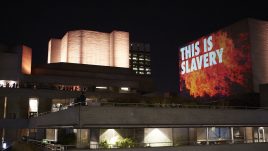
point(102, 106)
point(91, 47)
point(224, 63)
point(140, 58)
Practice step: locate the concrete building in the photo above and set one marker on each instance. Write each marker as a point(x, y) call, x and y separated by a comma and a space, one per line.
point(140, 58)
point(46, 103)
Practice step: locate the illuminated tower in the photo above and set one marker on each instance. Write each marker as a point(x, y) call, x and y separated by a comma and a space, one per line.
point(91, 47)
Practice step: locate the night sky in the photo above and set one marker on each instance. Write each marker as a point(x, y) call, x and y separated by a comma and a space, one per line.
point(166, 24)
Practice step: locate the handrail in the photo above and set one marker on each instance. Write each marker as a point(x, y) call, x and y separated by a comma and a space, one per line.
point(158, 105)
point(59, 147)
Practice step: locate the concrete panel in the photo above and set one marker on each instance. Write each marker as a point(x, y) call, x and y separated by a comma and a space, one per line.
point(14, 123)
point(151, 117)
point(65, 118)
point(169, 117)
point(233, 147)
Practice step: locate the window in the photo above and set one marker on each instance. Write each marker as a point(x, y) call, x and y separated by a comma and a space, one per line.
point(124, 89)
point(33, 107)
point(101, 87)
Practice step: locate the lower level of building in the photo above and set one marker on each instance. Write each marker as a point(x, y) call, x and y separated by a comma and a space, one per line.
point(95, 138)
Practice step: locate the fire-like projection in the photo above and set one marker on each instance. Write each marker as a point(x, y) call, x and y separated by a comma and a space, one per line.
point(216, 65)
point(91, 47)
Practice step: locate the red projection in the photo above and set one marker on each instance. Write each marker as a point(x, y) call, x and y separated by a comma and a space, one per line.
point(217, 65)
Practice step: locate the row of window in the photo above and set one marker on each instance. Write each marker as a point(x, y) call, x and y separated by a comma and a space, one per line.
point(141, 59)
point(139, 62)
point(142, 69)
point(143, 73)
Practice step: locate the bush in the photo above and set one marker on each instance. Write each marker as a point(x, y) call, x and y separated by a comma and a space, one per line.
point(125, 143)
point(104, 144)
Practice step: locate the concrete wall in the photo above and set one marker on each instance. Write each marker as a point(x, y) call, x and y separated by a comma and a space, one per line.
point(233, 147)
point(165, 117)
point(152, 117)
point(259, 52)
point(264, 95)
point(57, 119)
point(14, 123)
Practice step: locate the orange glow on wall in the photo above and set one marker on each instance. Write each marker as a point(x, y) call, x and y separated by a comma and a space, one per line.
point(54, 50)
point(120, 44)
point(26, 63)
point(91, 47)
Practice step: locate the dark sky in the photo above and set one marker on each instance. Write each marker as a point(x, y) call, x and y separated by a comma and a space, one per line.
point(165, 24)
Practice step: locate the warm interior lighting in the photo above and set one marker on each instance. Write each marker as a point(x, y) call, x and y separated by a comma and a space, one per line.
point(91, 47)
point(111, 136)
point(101, 87)
point(124, 88)
point(52, 134)
point(158, 136)
point(33, 105)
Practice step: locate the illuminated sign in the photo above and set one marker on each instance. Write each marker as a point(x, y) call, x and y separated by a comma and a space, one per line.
point(193, 59)
point(216, 65)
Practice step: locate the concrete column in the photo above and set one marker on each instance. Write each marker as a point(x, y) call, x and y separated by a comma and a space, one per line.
point(207, 136)
point(82, 138)
point(4, 117)
point(232, 134)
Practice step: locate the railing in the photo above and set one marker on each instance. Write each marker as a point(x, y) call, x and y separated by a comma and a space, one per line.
point(157, 105)
point(50, 146)
point(165, 144)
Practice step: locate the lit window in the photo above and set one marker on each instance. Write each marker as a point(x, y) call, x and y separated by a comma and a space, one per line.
point(33, 107)
point(101, 87)
point(148, 72)
point(111, 136)
point(134, 58)
point(141, 69)
point(124, 88)
point(141, 72)
point(141, 59)
point(147, 69)
point(158, 136)
point(135, 68)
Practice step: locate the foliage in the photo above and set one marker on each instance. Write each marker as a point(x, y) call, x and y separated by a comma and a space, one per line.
point(104, 144)
point(125, 143)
